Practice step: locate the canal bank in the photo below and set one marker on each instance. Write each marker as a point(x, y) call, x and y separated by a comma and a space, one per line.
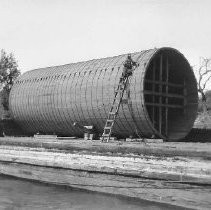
point(171, 173)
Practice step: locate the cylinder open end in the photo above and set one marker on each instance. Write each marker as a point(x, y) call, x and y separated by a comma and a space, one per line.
point(170, 94)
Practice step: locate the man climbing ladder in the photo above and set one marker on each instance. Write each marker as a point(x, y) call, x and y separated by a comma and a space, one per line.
point(128, 68)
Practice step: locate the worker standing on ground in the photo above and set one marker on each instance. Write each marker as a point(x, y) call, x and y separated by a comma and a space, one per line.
point(128, 67)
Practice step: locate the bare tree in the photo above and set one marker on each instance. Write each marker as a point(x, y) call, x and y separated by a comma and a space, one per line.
point(204, 76)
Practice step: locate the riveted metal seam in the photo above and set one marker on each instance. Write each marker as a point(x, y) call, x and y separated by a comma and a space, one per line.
point(51, 105)
point(16, 110)
point(62, 120)
point(18, 104)
point(48, 90)
point(138, 81)
point(43, 99)
point(77, 92)
point(30, 98)
point(116, 62)
point(72, 92)
point(63, 102)
point(88, 106)
point(116, 81)
point(122, 117)
point(33, 113)
point(58, 108)
point(41, 118)
point(98, 93)
point(145, 59)
point(81, 88)
point(102, 110)
point(127, 114)
point(54, 105)
point(25, 104)
point(119, 122)
point(39, 106)
point(44, 115)
point(92, 89)
point(67, 98)
point(62, 96)
point(104, 114)
point(139, 102)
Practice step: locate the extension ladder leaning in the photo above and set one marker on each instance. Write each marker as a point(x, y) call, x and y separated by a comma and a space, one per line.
point(115, 107)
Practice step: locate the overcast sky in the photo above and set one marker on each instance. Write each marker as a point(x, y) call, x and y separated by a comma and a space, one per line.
point(52, 32)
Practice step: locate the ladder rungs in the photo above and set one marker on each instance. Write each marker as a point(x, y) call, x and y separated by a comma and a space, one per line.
point(119, 92)
point(107, 128)
point(112, 107)
point(118, 89)
point(108, 124)
point(109, 120)
point(112, 113)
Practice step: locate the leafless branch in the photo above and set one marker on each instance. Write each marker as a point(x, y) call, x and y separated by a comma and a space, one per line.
point(204, 71)
point(205, 82)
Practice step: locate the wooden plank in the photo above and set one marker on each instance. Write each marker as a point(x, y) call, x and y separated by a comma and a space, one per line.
point(170, 95)
point(153, 89)
point(164, 83)
point(160, 91)
point(165, 105)
point(185, 96)
point(166, 101)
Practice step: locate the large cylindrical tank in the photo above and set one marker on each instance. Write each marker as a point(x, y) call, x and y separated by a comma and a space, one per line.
point(161, 97)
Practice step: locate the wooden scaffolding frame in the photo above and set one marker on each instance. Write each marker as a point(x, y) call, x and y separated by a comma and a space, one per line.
point(159, 102)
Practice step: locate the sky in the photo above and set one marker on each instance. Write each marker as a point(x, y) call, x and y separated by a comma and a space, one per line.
point(44, 33)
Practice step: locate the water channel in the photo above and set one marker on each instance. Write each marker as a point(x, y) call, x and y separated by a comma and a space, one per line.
point(23, 194)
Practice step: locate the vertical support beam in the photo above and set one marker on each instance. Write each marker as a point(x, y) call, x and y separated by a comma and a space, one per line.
point(167, 89)
point(185, 96)
point(160, 91)
point(153, 89)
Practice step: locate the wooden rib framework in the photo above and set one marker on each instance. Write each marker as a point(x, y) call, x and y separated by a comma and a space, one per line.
point(159, 94)
point(50, 100)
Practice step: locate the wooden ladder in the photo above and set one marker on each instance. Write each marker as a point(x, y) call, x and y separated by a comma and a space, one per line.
point(113, 112)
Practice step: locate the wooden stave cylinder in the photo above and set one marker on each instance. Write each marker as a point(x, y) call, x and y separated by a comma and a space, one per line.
point(45, 105)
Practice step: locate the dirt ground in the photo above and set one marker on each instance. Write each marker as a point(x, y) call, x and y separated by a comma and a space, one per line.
point(174, 172)
point(200, 150)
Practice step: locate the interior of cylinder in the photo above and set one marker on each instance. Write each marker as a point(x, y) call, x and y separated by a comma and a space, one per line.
point(170, 94)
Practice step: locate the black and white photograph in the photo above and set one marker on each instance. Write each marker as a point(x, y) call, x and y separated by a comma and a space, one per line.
point(105, 104)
